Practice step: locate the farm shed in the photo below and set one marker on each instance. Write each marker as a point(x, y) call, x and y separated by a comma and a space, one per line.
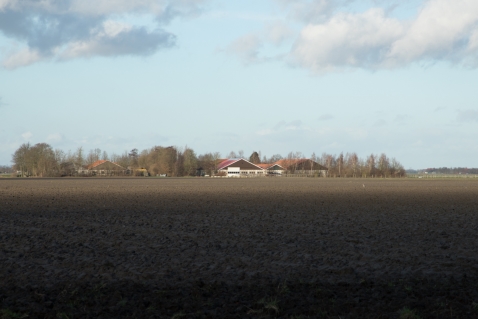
point(302, 166)
point(272, 169)
point(105, 168)
point(240, 168)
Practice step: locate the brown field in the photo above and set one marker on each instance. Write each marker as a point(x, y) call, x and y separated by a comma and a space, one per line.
point(238, 248)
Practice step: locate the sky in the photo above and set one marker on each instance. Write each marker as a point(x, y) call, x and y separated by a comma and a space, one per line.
point(275, 76)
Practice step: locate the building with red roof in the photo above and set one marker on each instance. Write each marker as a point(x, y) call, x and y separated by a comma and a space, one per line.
point(104, 167)
point(304, 166)
point(239, 167)
point(243, 168)
point(272, 169)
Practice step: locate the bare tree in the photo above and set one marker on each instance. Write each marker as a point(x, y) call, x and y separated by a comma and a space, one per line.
point(371, 164)
point(274, 158)
point(215, 157)
point(20, 159)
point(80, 159)
point(383, 164)
point(207, 162)
point(353, 161)
point(133, 154)
point(93, 156)
point(340, 163)
point(190, 162)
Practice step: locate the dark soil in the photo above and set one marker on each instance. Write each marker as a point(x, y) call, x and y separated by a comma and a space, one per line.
point(245, 248)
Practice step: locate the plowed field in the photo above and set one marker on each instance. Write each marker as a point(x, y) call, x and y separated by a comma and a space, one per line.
point(238, 248)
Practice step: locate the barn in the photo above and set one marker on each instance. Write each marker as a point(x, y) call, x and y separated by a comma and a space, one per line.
point(105, 168)
point(301, 166)
point(240, 167)
point(272, 169)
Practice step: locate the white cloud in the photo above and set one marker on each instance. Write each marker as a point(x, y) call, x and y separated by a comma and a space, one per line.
point(100, 7)
point(247, 47)
point(56, 137)
point(115, 38)
point(310, 10)
point(442, 29)
point(27, 135)
point(347, 40)
point(22, 57)
point(277, 32)
point(59, 30)
point(333, 37)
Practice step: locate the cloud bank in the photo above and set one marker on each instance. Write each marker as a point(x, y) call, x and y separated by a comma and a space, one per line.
point(331, 38)
point(68, 29)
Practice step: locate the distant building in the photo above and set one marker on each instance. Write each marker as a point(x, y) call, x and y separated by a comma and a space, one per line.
point(243, 168)
point(302, 166)
point(272, 169)
point(240, 168)
point(103, 168)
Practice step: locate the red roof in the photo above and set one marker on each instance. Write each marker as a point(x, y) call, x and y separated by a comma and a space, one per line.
point(99, 162)
point(227, 162)
point(267, 166)
point(288, 162)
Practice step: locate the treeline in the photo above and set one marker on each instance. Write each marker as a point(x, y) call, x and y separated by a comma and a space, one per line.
point(351, 165)
point(41, 160)
point(451, 170)
point(4, 169)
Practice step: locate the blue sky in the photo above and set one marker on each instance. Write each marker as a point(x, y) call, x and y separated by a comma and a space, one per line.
point(374, 76)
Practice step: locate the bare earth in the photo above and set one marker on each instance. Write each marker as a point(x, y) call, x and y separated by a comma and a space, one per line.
point(238, 248)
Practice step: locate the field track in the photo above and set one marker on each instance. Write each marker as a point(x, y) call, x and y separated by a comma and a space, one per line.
point(238, 248)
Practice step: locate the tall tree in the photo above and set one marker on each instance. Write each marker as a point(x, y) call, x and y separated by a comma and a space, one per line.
point(190, 162)
point(340, 163)
point(255, 158)
point(20, 159)
point(133, 154)
point(215, 157)
point(80, 157)
point(371, 164)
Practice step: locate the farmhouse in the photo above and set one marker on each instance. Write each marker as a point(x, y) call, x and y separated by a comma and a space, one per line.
point(103, 167)
point(239, 167)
